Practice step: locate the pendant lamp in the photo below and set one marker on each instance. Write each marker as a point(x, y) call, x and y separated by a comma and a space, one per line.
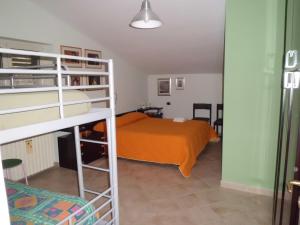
point(146, 18)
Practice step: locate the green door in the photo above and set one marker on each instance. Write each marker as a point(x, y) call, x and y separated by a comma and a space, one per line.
point(285, 205)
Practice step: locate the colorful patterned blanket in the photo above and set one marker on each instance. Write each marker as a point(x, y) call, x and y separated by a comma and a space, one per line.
point(32, 206)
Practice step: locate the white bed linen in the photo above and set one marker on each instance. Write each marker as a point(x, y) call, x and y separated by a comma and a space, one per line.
point(12, 101)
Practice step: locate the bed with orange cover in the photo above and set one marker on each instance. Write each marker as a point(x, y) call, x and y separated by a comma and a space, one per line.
point(144, 138)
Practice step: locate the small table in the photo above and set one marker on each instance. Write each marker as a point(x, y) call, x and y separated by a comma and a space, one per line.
point(152, 111)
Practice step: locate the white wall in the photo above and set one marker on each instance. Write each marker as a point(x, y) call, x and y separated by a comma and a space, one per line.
point(23, 20)
point(199, 88)
point(27, 21)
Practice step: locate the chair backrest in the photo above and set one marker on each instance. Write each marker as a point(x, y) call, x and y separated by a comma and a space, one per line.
point(219, 108)
point(202, 106)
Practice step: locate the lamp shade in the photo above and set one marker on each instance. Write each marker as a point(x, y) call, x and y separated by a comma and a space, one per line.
point(146, 18)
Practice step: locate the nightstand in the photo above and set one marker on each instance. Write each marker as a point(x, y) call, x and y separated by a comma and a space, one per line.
point(89, 151)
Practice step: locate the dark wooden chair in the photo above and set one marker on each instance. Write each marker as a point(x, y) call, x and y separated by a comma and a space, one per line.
point(202, 106)
point(219, 121)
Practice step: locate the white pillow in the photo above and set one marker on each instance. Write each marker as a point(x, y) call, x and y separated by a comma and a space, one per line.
point(179, 119)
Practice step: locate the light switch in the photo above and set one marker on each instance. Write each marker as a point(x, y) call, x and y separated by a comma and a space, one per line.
point(28, 144)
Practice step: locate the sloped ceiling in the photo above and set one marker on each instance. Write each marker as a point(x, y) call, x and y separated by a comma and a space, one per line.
point(190, 41)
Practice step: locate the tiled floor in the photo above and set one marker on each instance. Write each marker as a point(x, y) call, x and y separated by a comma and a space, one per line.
point(159, 195)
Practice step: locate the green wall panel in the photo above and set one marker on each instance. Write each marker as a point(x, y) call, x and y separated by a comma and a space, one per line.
point(254, 45)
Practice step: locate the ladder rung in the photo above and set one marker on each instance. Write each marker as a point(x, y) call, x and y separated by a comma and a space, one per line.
point(95, 168)
point(96, 193)
point(93, 141)
point(107, 213)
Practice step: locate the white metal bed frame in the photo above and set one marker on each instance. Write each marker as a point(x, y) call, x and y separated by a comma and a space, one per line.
point(19, 133)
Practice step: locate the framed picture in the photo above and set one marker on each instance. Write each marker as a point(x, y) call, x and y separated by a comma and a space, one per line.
point(93, 54)
point(180, 83)
point(164, 86)
point(75, 81)
point(94, 80)
point(68, 50)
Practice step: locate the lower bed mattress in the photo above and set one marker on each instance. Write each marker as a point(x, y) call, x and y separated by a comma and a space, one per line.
point(30, 206)
point(20, 100)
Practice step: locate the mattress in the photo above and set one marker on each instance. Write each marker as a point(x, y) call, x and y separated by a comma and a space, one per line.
point(13, 101)
point(30, 206)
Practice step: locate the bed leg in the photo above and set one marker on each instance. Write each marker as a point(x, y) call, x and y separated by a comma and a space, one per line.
point(24, 173)
point(79, 161)
point(112, 157)
point(4, 214)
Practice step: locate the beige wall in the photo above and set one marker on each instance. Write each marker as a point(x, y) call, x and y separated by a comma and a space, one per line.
point(26, 21)
point(201, 88)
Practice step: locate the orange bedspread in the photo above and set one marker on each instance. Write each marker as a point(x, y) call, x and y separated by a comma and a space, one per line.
point(164, 141)
point(140, 137)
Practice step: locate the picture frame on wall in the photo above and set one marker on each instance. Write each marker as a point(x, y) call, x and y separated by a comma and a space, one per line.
point(180, 83)
point(95, 55)
point(164, 86)
point(94, 80)
point(75, 81)
point(73, 51)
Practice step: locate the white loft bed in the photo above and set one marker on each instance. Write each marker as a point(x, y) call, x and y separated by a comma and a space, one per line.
point(95, 114)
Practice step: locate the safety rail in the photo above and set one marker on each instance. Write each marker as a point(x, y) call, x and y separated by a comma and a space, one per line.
point(60, 72)
point(94, 200)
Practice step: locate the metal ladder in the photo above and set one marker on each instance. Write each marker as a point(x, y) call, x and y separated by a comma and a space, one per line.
point(110, 193)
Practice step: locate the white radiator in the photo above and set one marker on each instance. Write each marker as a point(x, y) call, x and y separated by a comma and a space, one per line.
point(37, 159)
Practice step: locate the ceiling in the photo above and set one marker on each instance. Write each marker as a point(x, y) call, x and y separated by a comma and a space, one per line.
point(190, 41)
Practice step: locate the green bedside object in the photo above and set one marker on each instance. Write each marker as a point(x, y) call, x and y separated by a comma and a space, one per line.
point(11, 163)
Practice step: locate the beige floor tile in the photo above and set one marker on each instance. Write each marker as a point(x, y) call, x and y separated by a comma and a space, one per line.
point(153, 194)
point(191, 201)
point(171, 218)
point(202, 215)
point(238, 218)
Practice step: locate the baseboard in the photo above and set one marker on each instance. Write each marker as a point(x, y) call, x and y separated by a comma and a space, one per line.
point(55, 164)
point(246, 188)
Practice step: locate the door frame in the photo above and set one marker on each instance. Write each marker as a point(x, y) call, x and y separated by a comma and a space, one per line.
point(294, 217)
